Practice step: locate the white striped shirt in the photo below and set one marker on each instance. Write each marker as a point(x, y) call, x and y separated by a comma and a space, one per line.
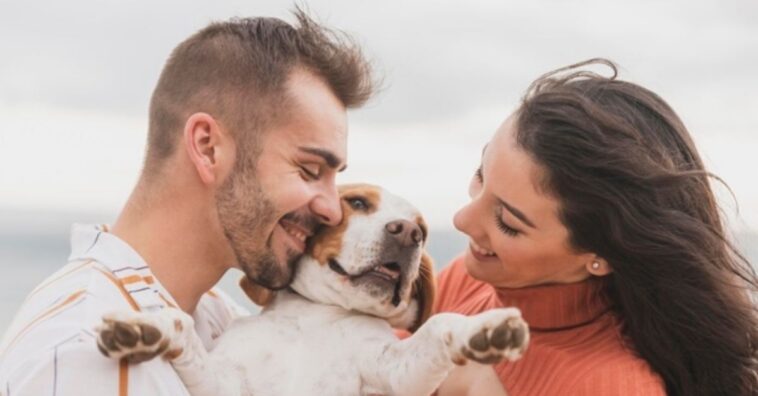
point(50, 347)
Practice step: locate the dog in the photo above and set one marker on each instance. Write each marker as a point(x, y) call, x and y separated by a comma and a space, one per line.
point(332, 331)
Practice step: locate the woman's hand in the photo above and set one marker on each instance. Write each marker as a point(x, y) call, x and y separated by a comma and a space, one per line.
point(472, 379)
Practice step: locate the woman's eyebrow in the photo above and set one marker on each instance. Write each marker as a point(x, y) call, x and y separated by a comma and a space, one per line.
point(517, 213)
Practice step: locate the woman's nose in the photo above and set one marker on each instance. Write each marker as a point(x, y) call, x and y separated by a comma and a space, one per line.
point(462, 218)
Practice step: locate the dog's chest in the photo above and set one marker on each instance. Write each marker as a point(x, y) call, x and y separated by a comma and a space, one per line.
point(299, 348)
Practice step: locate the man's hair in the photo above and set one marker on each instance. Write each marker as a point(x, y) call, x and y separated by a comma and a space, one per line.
point(237, 70)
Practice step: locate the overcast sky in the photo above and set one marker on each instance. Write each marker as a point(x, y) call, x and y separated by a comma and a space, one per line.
point(76, 77)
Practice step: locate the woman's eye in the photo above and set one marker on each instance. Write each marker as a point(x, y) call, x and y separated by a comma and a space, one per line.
point(505, 228)
point(357, 204)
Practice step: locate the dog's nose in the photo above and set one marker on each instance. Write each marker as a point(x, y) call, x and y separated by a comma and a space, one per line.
point(407, 233)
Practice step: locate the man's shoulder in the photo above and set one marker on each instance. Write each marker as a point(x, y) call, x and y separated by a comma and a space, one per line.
point(68, 303)
point(52, 337)
point(75, 367)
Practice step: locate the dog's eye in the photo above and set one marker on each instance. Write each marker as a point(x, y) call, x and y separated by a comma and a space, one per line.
point(358, 204)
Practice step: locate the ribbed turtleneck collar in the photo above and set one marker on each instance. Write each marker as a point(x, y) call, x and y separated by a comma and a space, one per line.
point(556, 307)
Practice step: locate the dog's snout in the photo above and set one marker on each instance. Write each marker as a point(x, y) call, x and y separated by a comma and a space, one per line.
point(407, 233)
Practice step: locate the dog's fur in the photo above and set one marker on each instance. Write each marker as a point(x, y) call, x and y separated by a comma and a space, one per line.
point(331, 332)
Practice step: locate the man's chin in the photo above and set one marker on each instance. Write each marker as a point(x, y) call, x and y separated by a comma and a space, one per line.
point(275, 286)
point(270, 274)
point(271, 280)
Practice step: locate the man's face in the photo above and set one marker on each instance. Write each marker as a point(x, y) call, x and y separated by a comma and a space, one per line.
point(268, 209)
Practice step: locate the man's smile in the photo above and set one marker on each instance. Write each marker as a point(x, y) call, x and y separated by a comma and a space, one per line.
point(297, 233)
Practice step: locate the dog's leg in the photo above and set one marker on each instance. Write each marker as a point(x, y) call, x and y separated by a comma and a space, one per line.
point(169, 333)
point(417, 365)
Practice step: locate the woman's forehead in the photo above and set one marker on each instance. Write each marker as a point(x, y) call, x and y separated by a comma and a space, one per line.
point(514, 176)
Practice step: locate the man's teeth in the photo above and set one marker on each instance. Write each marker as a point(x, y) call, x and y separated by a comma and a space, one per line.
point(295, 233)
point(482, 251)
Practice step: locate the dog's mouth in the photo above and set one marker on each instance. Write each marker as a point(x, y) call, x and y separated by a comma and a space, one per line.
point(389, 272)
point(387, 276)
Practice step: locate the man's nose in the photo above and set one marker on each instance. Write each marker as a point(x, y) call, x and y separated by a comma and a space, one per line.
point(327, 207)
point(405, 232)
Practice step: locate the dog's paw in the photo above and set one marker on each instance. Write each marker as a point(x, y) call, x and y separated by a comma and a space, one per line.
point(491, 336)
point(139, 336)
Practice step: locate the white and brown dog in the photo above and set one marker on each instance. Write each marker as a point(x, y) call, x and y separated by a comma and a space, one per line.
point(331, 332)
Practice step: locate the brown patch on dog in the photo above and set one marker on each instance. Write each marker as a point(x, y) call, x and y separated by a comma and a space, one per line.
point(371, 194)
point(257, 293)
point(178, 326)
point(424, 290)
point(173, 353)
point(328, 242)
point(459, 360)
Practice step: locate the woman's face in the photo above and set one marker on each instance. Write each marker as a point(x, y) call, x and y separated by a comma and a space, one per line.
point(516, 237)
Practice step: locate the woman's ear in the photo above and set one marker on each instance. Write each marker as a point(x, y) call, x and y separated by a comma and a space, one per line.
point(598, 266)
point(257, 293)
point(424, 291)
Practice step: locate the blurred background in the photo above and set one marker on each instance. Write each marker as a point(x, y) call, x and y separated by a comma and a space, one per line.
point(76, 78)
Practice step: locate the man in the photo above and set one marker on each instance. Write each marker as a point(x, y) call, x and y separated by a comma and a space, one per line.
point(247, 132)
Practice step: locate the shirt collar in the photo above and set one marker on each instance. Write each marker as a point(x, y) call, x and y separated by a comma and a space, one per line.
point(94, 242)
point(555, 307)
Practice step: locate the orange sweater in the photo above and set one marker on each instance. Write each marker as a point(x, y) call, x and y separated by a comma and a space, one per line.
point(576, 347)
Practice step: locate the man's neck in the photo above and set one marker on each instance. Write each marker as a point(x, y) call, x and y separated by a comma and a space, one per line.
point(179, 243)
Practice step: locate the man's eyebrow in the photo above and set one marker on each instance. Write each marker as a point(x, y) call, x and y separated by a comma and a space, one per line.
point(332, 160)
point(519, 214)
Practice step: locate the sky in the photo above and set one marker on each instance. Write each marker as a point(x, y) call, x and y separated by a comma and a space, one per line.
point(76, 78)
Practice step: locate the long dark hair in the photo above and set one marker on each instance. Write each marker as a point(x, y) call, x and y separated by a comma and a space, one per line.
point(633, 189)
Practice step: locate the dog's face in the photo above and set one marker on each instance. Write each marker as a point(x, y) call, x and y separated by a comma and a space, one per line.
point(373, 261)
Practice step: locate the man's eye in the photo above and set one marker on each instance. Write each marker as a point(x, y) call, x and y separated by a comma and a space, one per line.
point(311, 172)
point(358, 204)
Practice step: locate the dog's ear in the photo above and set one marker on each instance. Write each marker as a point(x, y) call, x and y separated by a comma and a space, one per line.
point(259, 294)
point(424, 291)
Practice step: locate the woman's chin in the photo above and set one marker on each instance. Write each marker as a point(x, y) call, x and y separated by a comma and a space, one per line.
point(474, 267)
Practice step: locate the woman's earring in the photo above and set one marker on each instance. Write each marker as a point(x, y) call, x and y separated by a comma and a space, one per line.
point(595, 265)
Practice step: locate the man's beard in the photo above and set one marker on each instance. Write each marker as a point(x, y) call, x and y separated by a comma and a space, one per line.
point(245, 212)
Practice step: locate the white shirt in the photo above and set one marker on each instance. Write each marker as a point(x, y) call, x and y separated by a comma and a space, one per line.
point(50, 347)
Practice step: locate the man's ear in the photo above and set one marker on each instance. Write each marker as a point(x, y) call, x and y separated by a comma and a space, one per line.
point(257, 293)
point(208, 148)
point(424, 291)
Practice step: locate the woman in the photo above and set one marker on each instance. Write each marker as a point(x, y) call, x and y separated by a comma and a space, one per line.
point(592, 212)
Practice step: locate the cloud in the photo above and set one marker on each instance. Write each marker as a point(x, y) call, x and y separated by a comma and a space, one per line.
point(77, 76)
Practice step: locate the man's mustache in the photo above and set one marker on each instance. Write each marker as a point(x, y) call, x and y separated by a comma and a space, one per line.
point(305, 220)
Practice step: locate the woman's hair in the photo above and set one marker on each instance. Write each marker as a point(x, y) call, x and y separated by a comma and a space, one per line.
point(633, 189)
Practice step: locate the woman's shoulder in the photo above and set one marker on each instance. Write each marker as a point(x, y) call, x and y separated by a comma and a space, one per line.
point(619, 373)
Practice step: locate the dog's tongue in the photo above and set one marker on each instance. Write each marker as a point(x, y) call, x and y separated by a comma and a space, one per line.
point(384, 270)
